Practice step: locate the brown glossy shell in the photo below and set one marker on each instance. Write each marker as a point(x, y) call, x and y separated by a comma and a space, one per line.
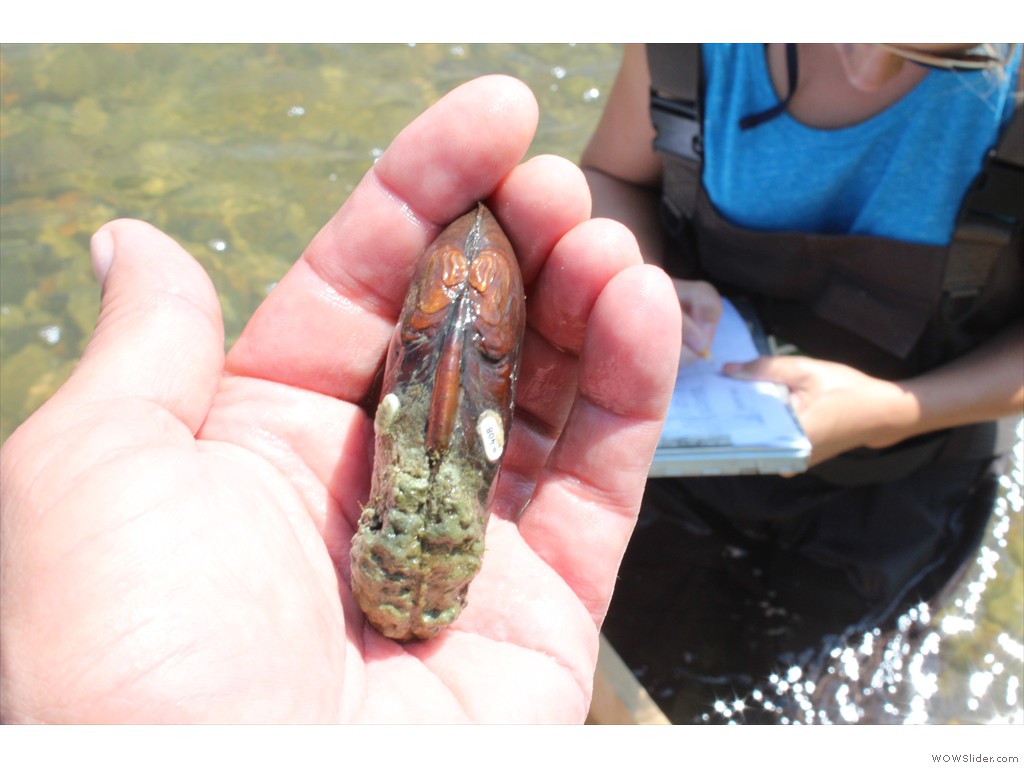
point(444, 417)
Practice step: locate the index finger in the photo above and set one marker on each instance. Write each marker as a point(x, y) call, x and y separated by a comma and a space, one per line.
point(702, 308)
point(326, 325)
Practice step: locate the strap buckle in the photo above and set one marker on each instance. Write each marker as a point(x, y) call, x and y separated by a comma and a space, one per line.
point(999, 190)
point(678, 128)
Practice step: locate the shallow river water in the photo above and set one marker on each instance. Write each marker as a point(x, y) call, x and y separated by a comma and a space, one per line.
point(242, 152)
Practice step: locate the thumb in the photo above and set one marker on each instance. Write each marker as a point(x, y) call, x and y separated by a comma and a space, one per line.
point(159, 335)
point(768, 368)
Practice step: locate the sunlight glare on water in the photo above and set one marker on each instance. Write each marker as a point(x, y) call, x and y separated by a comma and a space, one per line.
point(956, 666)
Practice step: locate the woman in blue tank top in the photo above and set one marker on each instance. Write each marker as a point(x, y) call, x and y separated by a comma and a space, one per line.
point(899, 173)
point(852, 143)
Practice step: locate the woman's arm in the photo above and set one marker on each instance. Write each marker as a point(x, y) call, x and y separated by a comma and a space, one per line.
point(619, 161)
point(624, 174)
point(986, 383)
point(841, 408)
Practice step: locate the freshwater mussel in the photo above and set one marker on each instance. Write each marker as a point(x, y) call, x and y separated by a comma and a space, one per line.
point(441, 427)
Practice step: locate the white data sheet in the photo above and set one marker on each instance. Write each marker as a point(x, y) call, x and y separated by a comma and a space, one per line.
point(720, 425)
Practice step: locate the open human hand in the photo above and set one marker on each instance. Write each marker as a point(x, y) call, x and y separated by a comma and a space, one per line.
point(175, 524)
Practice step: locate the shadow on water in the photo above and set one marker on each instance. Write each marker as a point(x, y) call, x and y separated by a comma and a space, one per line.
point(242, 152)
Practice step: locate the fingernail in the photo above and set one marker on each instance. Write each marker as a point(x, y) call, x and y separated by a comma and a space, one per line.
point(736, 370)
point(101, 248)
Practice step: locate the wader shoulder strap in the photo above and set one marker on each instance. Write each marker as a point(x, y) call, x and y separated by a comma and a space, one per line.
point(991, 216)
point(674, 68)
point(676, 82)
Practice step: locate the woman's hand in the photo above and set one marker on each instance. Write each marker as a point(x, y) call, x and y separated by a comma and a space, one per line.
point(839, 407)
point(175, 524)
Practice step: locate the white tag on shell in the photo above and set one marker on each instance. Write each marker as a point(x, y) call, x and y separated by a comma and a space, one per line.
point(492, 434)
point(386, 412)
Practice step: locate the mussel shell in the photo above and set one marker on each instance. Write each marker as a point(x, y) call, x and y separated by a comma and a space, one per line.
point(441, 427)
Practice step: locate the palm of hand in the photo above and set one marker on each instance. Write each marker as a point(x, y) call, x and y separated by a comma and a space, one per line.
point(233, 601)
point(184, 520)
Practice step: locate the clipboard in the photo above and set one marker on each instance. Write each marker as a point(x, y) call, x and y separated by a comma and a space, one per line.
point(718, 425)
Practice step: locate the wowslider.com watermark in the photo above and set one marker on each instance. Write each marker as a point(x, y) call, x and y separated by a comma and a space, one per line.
point(978, 758)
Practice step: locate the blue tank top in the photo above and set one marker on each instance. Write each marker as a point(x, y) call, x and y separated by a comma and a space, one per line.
point(900, 174)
